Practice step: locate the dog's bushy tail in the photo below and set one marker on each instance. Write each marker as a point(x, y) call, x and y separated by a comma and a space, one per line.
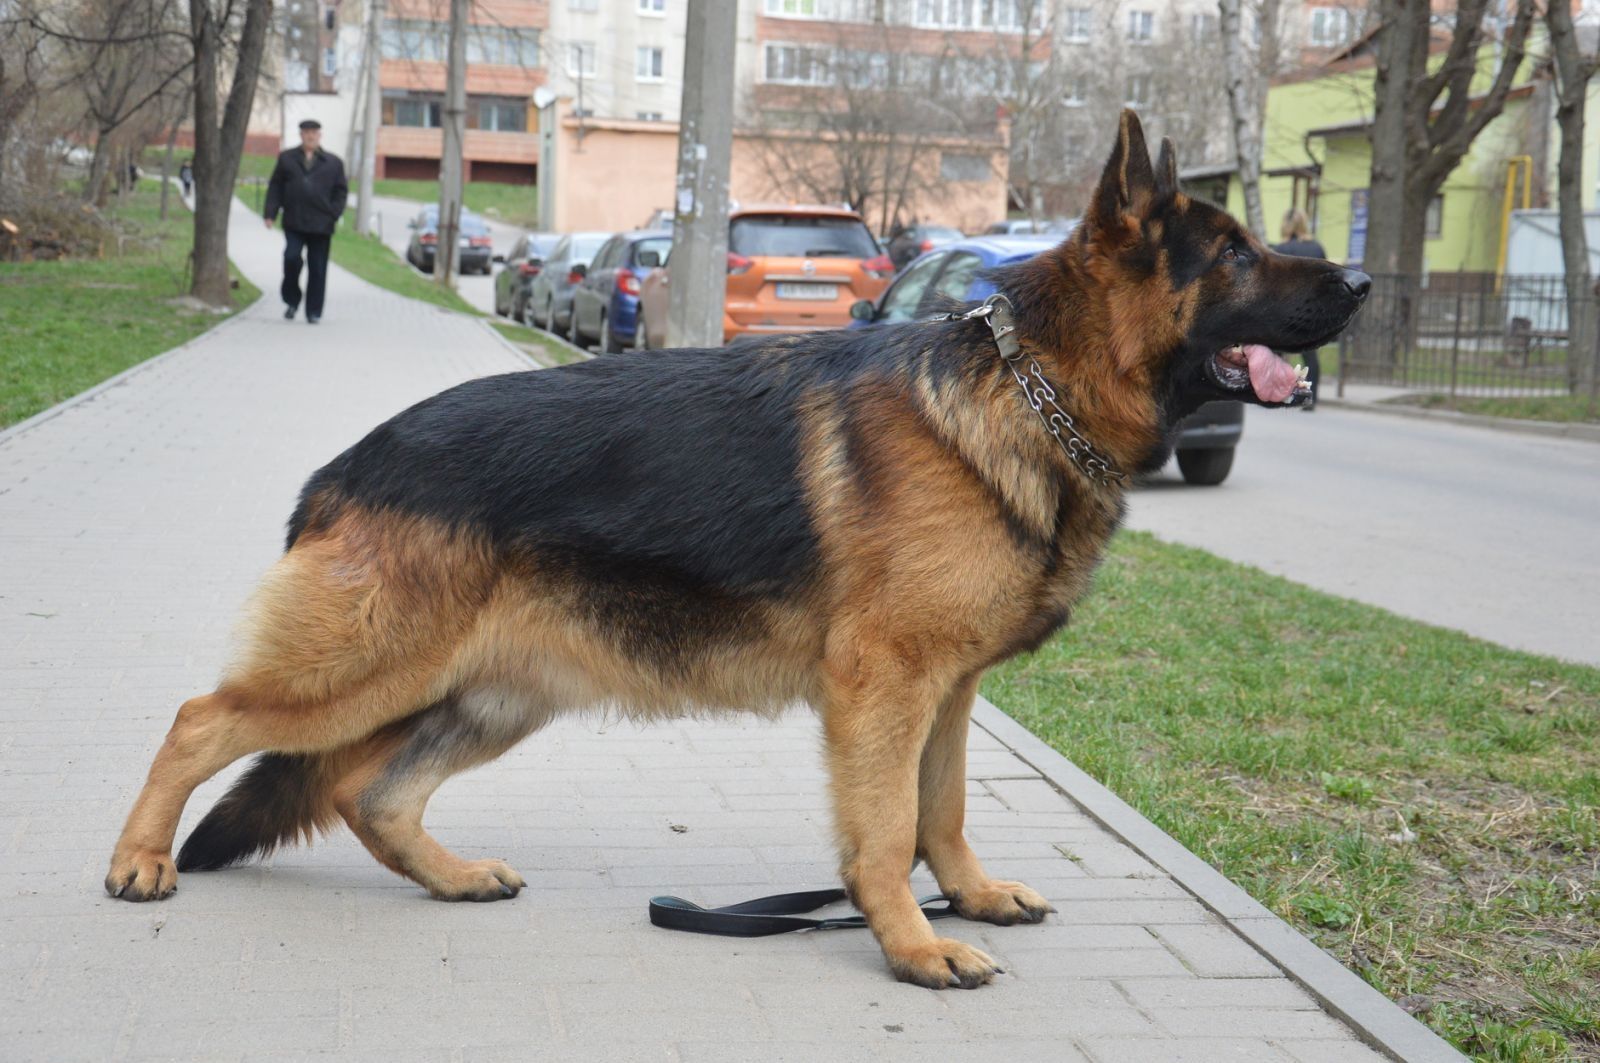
point(279, 800)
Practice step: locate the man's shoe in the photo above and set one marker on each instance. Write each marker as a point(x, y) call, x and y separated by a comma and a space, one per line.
point(288, 312)
point(312, 319)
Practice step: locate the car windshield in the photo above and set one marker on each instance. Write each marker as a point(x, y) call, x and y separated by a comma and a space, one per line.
point(471, 224)
point(584, 246)
point(800, 236)
point(940, 232)
point(541, 244)
point(659, 244)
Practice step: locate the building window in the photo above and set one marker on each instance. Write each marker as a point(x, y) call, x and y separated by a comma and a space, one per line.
point(1330, 26)
point(1077, 90)
point(833, 10)
point(413, 39)
point(1433, 220)
point(649, 116)
point(953, 167)
point(647, 64)
point(418, 111)
point(503, 116)
point(330, 62)
point(1202, 28)
point(653, 7)
point(330, 19)
point(1006, 16)
point(503, 45)
point(1077, 25)
point(1138, 90)
point(583, 5)
point(580, 59)
point(791, 64)
point(1141, 26)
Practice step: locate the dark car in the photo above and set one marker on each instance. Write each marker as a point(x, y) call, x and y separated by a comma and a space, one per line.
point(476, 250)
point(605, 305)
point(954, 273)
point(913, 240)
point(549, 304)
point(513, 283)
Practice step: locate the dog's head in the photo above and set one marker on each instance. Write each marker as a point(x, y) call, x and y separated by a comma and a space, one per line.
point(1188, 300)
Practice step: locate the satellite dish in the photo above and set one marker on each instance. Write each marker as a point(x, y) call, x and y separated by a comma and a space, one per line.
point(543, 97)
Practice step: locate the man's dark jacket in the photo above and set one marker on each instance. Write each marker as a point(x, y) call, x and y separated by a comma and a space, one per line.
point(311, 199)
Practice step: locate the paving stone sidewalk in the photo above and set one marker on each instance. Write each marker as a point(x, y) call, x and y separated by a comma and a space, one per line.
point(133, 524)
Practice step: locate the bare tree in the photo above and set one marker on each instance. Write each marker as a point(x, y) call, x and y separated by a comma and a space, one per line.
point(1247, 96)
point(221, 34)
point(1573, 71)
point(864, 129)
point(1425, 121)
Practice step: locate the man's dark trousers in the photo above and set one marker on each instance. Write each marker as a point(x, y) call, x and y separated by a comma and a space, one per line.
point(316, 256)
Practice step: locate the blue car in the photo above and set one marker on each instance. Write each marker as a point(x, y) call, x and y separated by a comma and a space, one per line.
point(605, 304)
point(954, 273)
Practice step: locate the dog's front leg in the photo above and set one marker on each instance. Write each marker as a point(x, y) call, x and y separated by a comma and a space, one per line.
point(942, 811)
point(877, 720)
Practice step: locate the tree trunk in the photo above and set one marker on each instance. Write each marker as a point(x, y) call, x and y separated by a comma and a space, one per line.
point(1402, 35)
point(1246, 140)
point(1573, 72)
point(218, 145)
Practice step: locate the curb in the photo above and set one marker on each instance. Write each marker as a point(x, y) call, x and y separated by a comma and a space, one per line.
point(1372, 1016)
point(1588, 433)
point(548, 337)
point(8, 434)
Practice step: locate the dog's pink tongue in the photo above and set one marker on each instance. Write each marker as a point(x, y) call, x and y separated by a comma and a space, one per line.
point(1272, 378)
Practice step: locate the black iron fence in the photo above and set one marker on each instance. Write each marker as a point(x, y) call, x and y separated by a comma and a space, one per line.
point(1472, 335)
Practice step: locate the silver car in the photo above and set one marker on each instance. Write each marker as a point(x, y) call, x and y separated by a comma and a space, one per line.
point(549, 302)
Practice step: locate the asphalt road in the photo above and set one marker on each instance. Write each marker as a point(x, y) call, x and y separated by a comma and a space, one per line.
point(475, 288)
point(1487, 532)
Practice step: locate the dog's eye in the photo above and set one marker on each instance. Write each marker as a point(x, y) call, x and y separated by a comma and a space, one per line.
point(1230, 254)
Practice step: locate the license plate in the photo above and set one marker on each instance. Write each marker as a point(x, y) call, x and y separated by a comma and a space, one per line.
point(466, 241)
point(808, 291)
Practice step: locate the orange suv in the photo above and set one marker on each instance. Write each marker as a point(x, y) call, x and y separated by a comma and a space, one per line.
point(790, 269)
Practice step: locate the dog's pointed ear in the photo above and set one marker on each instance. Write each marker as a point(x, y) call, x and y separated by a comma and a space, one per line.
point(1128, 177)
point(1167, 168)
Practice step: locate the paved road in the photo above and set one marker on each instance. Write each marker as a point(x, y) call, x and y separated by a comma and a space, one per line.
point(1488, 532)
point(132, 526)
point(477, 289)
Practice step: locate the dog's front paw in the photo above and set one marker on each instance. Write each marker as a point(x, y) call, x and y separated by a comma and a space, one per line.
point(142, 875)
point(943, 963)
point(479, 880)
point(1003, 903)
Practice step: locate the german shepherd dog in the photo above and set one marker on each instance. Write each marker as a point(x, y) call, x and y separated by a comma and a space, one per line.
point(861, 520)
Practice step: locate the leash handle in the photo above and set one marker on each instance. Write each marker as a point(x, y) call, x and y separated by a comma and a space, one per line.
point(765, 916)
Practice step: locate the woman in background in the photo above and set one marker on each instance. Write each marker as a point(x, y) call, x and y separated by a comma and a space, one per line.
point(1297, 241)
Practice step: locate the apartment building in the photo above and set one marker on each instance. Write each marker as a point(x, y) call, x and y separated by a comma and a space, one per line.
point(506, 62)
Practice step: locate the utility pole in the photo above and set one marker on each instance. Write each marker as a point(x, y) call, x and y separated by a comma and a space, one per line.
point(366, 211)
point(450, 163)
point(705, 152)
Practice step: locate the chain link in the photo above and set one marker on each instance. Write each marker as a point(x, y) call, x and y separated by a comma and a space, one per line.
point(1040, 393)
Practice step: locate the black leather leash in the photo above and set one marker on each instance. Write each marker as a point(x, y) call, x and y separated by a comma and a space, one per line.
point(764, 916)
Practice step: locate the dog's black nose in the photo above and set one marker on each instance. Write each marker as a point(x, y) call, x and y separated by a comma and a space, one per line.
point(1356, 282)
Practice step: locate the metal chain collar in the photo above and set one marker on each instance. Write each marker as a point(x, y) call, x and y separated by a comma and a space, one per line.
point(1040, 393)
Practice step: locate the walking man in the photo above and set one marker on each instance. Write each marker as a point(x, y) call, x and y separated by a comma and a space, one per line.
point(308, 185)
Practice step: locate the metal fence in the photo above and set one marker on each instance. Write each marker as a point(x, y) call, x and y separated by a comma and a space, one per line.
point(1466, 335)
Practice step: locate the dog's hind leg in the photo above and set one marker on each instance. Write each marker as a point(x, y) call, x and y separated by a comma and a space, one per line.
point(942, 807)
point(879, 712)
point(383, 795)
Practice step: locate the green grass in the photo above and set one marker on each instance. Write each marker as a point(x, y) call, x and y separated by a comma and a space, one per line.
point(513, 204)
point(369, 259)
point(544, 348)
point(1424, 805)
point(69, 324)
point(1562, 408)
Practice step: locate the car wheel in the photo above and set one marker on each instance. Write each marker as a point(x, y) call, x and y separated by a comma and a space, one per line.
point(573, 335)
point(1205, 467)
point(641, 338)
point(608, 342)
point(550, 317)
